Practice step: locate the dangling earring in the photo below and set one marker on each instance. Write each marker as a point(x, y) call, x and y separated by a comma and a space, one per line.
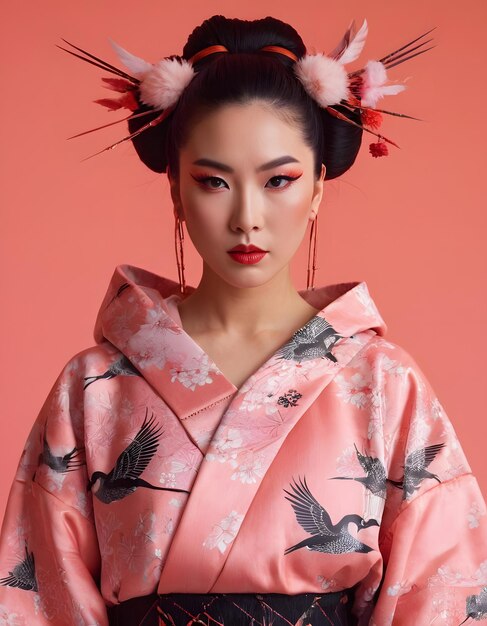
point(312, 245)
point(178, 244)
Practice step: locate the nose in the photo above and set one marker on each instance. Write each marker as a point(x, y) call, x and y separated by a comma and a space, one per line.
point(247, 214)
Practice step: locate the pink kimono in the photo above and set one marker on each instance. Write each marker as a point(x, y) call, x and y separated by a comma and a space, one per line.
point(334, 466)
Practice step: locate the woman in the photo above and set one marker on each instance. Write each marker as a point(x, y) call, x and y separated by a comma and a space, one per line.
point(242, 452)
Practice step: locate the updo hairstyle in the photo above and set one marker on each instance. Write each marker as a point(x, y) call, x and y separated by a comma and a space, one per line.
point(240, 76)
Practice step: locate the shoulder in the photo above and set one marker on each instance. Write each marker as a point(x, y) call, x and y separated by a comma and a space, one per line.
point(386, 359)
point(97, 355)
point(400, 394)
point(87, 362)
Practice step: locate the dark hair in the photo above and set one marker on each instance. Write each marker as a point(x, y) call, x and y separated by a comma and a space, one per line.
point(223, 78)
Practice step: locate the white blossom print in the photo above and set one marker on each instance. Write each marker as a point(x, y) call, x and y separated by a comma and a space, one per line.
point(327, 584)
point(250, 469)
point(147, 352)
point(100, 401)
point(365, 390)
point(62, 398)
point(16, 535)
point(168, 479)
point(444, 608)
point(196, 375)
point(224, 532)
point(149, 344)
point(122, 318)
point(420, 427)
point(99, 425)
point(168, 525)
point(49, 601)
point(278, 374)
point(398, 589)
point(128, 411)
point(393, 367)
point(131, 552)
point(475, 512)
point(81, 501)
point(356, 390)
point(438, 413)
point(445, 575)
point(348, 464)
point(261, 394)
point(147, 527)
point(10, 618)
point(107, 525)
point(203, 438)
point(225, 446)
point(187, 460)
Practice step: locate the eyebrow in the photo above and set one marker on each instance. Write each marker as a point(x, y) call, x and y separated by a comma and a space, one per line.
point(266, 166)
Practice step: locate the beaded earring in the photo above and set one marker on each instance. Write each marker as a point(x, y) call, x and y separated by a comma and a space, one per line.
point(178, 244)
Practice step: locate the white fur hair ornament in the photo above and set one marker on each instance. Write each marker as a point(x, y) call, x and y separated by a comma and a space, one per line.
point(324, 77)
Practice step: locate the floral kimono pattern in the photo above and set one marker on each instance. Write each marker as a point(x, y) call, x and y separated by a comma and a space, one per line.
point(334, 466)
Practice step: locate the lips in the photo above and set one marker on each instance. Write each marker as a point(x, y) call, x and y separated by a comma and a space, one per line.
point(243, 248)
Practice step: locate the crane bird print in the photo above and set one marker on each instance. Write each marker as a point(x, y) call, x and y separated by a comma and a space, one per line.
point(61, 464)
point(374, 481)
point(415, 469)
point(124, 478)
point(314, 340)
point(375, 478)
point(477, 606)
point(121, 367)
point(23, 575)
point(315, 520)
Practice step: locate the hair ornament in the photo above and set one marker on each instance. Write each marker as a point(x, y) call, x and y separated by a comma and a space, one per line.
point(373, 84)
point(162, 83)
point(137, 66)
point(351, 44)
point(324, 77)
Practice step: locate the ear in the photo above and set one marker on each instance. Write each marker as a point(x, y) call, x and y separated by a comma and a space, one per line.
point(317, 193)
point(175, 195)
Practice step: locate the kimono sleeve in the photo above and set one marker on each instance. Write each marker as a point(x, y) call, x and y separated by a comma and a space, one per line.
point(49, 554)
point(434, 529)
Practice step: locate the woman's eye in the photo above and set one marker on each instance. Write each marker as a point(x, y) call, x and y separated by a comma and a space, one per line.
point(288, 178)
point(205, 179)
point(216, 179)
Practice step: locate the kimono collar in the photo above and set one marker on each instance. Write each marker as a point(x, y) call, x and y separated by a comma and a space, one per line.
point(136, 319)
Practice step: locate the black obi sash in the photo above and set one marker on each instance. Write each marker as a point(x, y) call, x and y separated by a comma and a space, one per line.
point(235, 609)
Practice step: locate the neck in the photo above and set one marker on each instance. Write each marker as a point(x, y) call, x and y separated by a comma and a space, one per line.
point(218, 306)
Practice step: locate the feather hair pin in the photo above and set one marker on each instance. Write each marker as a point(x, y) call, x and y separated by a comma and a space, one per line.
point(158, 86)
point(326, 80)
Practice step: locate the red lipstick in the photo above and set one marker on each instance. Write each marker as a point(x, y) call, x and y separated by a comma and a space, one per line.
point(248, 255)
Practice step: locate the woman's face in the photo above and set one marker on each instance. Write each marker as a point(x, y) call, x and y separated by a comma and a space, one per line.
point(230, 193)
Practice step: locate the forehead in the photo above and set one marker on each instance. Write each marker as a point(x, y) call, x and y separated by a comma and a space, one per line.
point(255, 129)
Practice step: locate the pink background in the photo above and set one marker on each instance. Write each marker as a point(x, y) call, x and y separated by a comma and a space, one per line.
point(412, 225)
